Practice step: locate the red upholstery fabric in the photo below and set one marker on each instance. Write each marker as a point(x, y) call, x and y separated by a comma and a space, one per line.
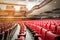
point(51, 36)
point(53, 28)
point(58, 30)
point(43, 34)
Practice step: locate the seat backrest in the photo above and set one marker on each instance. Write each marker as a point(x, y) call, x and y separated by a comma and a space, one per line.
point(51, 36)
point(48, 26)
point(44, 25)
point(53, 28)
point(21, 38)
point(58, 30)
point(43, 33)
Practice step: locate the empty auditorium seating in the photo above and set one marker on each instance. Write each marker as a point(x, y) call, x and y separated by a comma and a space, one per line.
point(48, 29)
point(43, 33)
point(53, 28)
point(21, 38)
point(22, 33)
point(41, 29)
point(23, 29)
point(58, 30)
point(51, 36)
point(5, 30)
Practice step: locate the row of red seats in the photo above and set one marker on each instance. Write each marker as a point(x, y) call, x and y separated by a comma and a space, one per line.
point(6, 30)
point(49, 26)
point(22, 33)
point(42, 28)
point(47, 35)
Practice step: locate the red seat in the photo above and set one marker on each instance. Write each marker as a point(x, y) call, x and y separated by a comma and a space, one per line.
point(58, 30)
point(51, 36)
point(44, 25)
point(52, 23)
point(0, 30)
point(6, 34)
point(43, 34)
point(48, 26)
point(53, 28)
point(2, 36)
point(21, 38)
point(39, 38)
point(23, 28)
point(22, 31)
point(38, 31)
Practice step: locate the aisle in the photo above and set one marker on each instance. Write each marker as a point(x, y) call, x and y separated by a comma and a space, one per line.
point(29, 35)
point(16, 33)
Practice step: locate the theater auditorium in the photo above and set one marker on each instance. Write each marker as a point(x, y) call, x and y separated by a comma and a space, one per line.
point(29, 19)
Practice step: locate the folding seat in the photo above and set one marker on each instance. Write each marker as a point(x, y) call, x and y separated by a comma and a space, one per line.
point(10, 31)
point(48, 26)
point(6, 34)
point(0, 30)
point(56, 24)
point(43, 33)
point(23, 31)
point(33, 27)
point(51, 36)
point(52, 23)
point(38, 24)
point(3, 28)
point(22, 34)
point(58, 30)
point(53, 28)
point(44, 25)
point(39, 38)
point(38, 31)
point(41, 24)
point(21, 38)
point(2, 36)
point(23, 28)
point(14, 27)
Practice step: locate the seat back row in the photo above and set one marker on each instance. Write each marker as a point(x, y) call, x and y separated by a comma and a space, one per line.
point(44, 34)
point(7, 33)
point(22, 33)
point(46, 31)
point(51, 25)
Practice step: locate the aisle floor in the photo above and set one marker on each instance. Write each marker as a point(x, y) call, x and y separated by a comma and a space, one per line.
point(29, 36)
point(16, 33)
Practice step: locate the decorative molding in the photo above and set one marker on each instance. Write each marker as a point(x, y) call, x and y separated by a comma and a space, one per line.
point(12, 4)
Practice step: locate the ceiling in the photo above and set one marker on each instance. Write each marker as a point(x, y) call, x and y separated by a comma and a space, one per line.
point(29, 3)
point(20, 0)
point(48, 7)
